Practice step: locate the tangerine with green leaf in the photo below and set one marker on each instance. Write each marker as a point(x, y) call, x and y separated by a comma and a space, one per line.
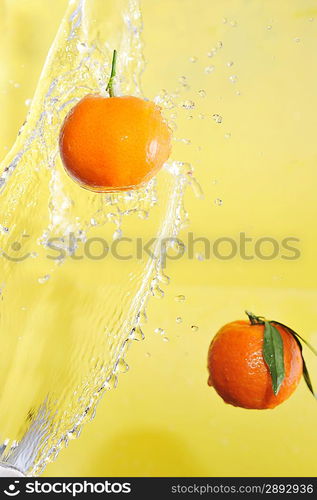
point(256, 364)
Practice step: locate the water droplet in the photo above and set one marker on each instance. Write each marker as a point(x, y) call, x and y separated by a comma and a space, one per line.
point(212, 52)
point(269, 27)
point(165, 100)
point(233, 78)
point(188, 104)
point(137, 334)
point(81, 46)
point(180, 298)
point(176, 246)
point(227, 135)
point(165, 339)
point(159, 331)
point(202, 93)
point(179, 320)
point(234, 24)
point(219, 44)
point(163, 278)
point(16, 85)
point(214, 181)
point(4, 229)
point(122, 366)
point(217, 118)
point(28, 102)
point(148, 354)
point(183, 81)
point(194, 328)
point(200, 257)
point(193, 59)
point(111, 382)
point(157, 291)
point(297, 39)
point(218, 202)
point(117, 234)
point(229, 64)
point(142, 317)
point(209, 69)
point(224, 20)
point(143, 214)
point(311, 19)
point(44, 279)
point(196, 187)
point(201, 116)
point(113, 218)
point(181, 168)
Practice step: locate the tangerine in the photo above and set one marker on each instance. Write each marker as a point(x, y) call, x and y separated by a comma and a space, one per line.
point(114, 143)
point(238, 371)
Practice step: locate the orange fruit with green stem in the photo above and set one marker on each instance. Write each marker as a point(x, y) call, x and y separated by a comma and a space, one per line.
point(256, 364)
point(114, 143)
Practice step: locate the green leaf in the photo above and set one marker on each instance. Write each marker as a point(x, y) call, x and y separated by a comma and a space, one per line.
point(296, 335)
point(273, 353)
point(307, 379)
point(298, 339)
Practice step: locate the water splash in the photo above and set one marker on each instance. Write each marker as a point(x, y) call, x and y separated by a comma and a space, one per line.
point(66, 324)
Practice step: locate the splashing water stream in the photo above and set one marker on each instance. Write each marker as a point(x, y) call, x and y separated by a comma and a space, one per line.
point(67, 316)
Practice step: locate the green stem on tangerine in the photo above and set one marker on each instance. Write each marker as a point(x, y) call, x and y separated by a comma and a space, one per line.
point(254, 320)
point(113, 74)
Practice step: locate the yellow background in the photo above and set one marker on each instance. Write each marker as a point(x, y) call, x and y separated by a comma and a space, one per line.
point(163, 419)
